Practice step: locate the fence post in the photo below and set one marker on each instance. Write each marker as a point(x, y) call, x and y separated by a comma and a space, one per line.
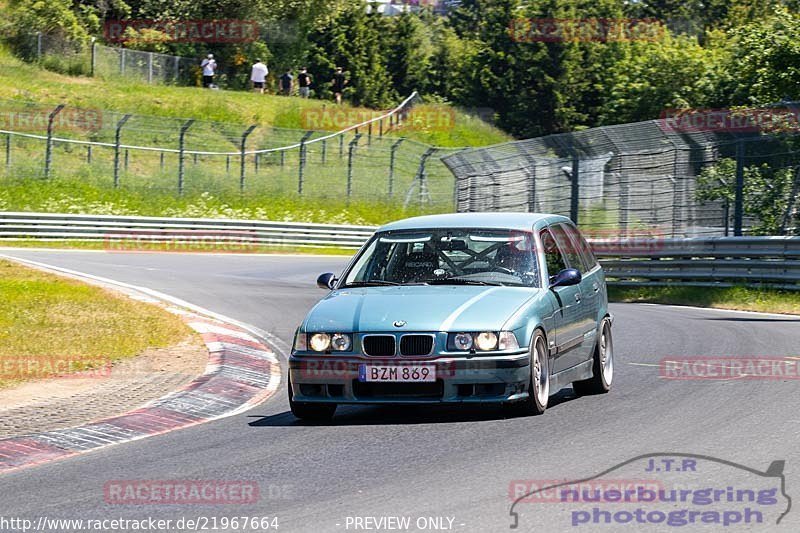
point(423, 186)
point(48, 156)
point(324, 150)
point(624, 202)
point(738, 205)
point(227, 164)
point(341, 146)
point(350, 153)
point(392, 158)
point(243, 156)
point(127, 155)
point(8, 152)
point(177, 70)
point(89, 154)
point(283, 158)
point(369, 134)
point(117, 134)
point(94, 56)
point(302, 157)
point(161, 160)
point(181, 145)
point(532, 189)
point(150, 68)
point(380, 128)
point(574, 190)
point(38, 46)
point(122, 61)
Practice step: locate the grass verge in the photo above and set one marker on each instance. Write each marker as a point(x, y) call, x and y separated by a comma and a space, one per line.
point(123, 247)
point(738, 298)
point(27, 82)
point(50, 326)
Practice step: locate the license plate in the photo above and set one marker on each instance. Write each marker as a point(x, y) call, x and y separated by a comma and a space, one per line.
point(402, 374)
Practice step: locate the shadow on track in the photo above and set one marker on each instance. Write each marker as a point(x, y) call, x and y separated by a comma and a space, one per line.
point(376, 415)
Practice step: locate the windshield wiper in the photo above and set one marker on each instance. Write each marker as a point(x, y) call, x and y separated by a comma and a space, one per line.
point(371, 283)
point(462, 281)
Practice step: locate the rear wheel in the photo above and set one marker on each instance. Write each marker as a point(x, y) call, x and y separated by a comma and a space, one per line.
point(313, 412)
point(602, 367)
point(539, 384)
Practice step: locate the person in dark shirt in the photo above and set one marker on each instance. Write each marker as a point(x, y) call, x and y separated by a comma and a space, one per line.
point(287, 83)
point(304, 80)
point(338, 83)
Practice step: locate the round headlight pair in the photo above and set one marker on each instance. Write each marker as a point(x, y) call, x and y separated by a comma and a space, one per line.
point(484, 341)
point(321, 342)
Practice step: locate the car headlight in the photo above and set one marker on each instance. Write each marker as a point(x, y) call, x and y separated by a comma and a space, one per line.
point(508, 341)
point(462, 341)
point(341, 342)
point(320, 342)
point(486, 341)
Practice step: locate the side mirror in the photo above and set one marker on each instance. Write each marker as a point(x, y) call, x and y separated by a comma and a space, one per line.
point(565, 278)
point(326, 281)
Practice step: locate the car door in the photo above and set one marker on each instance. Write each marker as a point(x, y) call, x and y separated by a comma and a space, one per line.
point(567, 317)
point(591, 283)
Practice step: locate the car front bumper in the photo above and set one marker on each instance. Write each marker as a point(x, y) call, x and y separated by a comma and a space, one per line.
point(478, 379)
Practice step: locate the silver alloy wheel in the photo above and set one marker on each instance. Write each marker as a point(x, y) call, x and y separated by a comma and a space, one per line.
point(607, 353)
point(541, 377)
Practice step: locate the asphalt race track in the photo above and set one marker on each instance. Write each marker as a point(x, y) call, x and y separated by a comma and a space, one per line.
point(425, 462)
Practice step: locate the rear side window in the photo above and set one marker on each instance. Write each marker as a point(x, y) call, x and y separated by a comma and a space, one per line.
point(570, 251)
point(553, 256)
point(588, 260)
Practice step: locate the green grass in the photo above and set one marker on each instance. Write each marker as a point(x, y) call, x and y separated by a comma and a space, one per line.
point(180, 247)
point(49, 325)
point(83, 196)
point(28, 82)
point(739, 298)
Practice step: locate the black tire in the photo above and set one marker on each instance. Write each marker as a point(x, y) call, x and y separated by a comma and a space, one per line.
point(312, 412)
point(602, 367)
point(538, 389)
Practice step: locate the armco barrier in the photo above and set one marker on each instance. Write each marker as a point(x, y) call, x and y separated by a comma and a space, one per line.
point(719, 261)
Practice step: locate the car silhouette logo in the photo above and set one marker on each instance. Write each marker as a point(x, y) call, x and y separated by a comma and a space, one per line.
point(399, 323)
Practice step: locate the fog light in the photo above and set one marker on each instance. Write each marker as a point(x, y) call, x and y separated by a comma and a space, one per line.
point(320, 342)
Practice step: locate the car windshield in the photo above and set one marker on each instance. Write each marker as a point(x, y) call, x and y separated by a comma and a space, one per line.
point(446, 257)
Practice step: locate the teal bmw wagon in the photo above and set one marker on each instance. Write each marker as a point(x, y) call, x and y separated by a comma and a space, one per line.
point(469, 308)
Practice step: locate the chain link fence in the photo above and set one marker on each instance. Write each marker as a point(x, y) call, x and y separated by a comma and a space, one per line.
point(642, 178)
point(92, 58)
point(175, 156)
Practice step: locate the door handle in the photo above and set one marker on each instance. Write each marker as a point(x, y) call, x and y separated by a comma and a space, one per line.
point(577, 297)
point(596, 287)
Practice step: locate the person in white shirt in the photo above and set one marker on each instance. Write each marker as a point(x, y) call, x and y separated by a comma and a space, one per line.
point(209, 66)
point(258, 75)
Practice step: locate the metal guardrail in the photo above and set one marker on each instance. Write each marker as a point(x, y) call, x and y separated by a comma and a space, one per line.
point(126, 232)
point(772, 262)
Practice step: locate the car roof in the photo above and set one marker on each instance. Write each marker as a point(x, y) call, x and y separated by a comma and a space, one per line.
point(511, 221)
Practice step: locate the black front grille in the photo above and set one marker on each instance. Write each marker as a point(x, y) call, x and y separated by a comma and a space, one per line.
point(378, 345)
point(416, 344)
point(411, 391)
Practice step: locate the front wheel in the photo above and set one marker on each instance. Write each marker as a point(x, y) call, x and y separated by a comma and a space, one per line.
point(313, 412)
point(603, 366)
point(539, 384)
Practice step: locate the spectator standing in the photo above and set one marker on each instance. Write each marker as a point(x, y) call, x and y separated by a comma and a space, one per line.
point(209, 66)
point(287, 83)
point(338, 83)
point(258, 75)
point(304, 81)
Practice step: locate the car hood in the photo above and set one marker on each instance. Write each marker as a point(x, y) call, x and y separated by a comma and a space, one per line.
point(421, 307)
